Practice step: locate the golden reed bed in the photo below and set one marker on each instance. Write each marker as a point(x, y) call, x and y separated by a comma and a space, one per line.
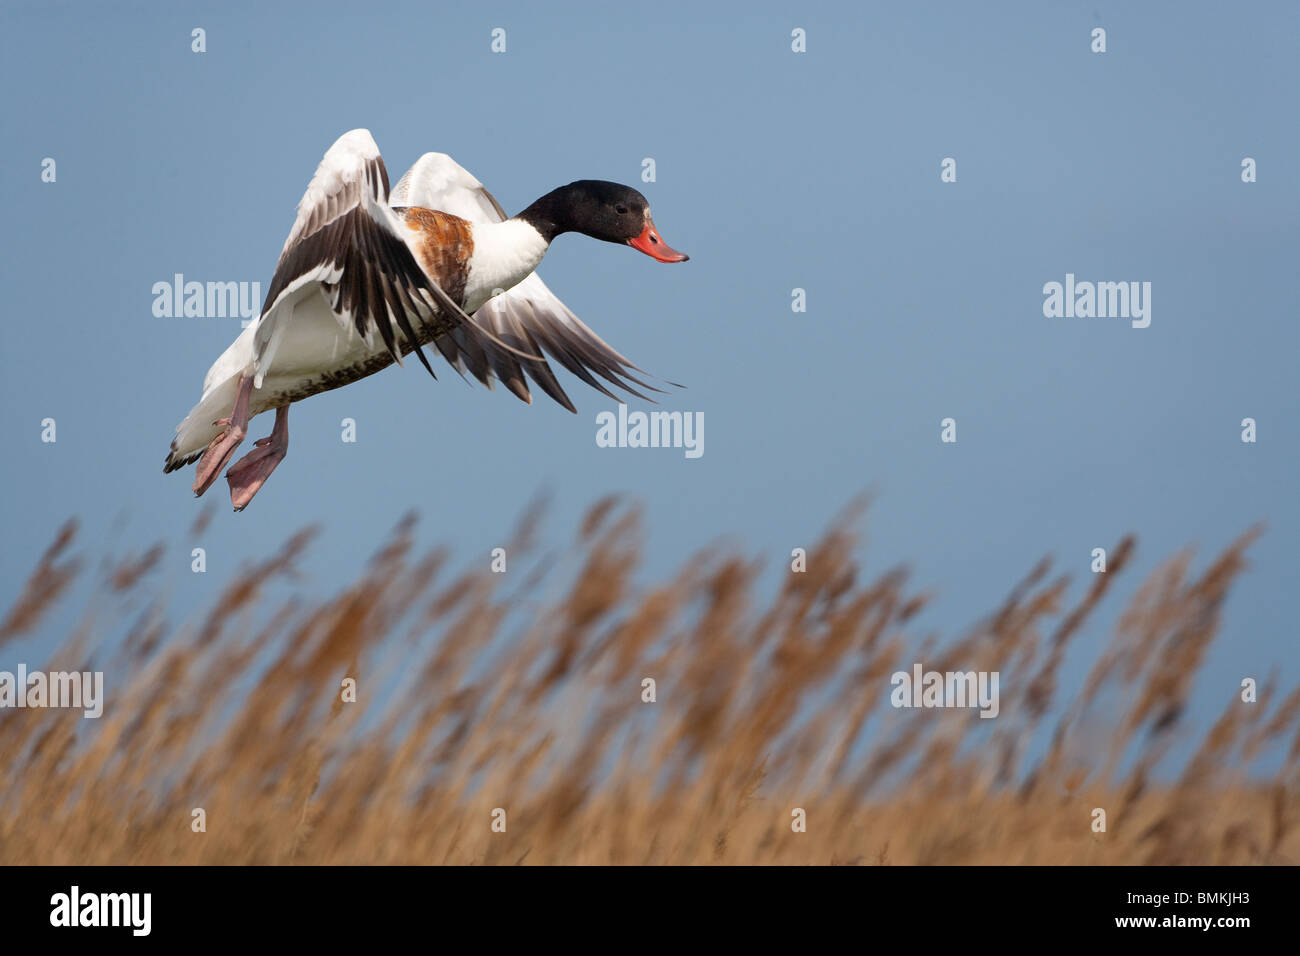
point(522, 692)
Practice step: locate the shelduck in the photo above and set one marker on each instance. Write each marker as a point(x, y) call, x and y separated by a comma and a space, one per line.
point(367, 277)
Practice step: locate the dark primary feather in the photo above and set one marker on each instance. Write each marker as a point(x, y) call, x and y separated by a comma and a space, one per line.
point(567, 340)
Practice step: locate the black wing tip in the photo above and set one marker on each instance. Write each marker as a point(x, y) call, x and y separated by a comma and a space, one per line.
point(174, 463)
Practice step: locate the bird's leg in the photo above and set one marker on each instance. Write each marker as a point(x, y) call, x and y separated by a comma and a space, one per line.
point(250, 472)
point(222, 447)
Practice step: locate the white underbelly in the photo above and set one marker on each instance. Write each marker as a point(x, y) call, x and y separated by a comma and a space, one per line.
point(316, 352)
point(316, 341)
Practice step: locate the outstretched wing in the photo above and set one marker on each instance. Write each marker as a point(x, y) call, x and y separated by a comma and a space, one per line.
point(526, 316)
point(348, 239)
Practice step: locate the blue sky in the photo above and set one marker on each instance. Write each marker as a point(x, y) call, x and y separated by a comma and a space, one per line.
point(775, 171)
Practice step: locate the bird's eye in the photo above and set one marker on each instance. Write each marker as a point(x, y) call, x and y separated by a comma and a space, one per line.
point(621, 210)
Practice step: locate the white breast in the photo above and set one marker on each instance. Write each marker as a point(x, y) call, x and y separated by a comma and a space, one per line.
point(504, 254)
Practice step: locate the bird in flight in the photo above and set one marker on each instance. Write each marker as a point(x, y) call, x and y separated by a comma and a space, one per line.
point(367, 277)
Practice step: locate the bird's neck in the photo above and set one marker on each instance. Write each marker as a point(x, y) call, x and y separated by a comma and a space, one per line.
point(551, 214)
